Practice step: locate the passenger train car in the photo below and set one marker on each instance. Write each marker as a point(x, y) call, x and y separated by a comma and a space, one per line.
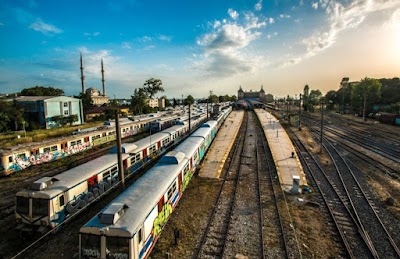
point(20, 157)
point(50, 200)
point(130, 225)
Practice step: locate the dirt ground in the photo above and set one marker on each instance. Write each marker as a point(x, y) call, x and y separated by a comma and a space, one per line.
point(191, 216)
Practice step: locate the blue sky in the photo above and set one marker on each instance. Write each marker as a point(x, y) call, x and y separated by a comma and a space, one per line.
point(197, 46)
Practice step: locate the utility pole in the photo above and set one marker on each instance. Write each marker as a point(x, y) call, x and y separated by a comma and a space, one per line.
point(365, 105)
point(299, 111)
point(119, 152)
point(190, 120)
point(322, 123)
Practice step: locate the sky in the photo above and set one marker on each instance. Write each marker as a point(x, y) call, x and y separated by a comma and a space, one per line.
point(195, 47)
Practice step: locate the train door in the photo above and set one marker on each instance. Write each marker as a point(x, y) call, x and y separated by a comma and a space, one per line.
point(144, 153)
point(180, 181)
point(92, 182)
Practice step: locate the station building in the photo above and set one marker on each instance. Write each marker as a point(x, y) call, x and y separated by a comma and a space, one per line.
point(44, 108)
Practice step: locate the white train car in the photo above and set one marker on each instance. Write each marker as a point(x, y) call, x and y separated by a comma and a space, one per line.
point(130, 225)
point(49, 201)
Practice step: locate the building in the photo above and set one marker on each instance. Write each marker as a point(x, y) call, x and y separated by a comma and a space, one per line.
point(154, 102)
point(260, 95)
point(43, 109)
point(97, 98)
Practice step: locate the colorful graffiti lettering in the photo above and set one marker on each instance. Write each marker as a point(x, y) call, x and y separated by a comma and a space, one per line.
point(23, 163)
point(129, 133)
point(186, 180)
point(161, 218)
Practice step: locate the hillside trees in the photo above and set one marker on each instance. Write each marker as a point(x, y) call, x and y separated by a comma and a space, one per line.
point(42, 91)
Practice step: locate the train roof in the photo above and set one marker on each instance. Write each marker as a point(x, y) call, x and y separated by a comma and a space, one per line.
point(174, 128)
point(138, 200)
point(201, 132)
point(189, 146)
point(142, 143)
point(57, 184)
point(209, 124)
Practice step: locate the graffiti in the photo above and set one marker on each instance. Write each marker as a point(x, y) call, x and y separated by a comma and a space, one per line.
point(77, 148)
point(186, 180)
point(129, 133)
point(161, 218)
point(91, 253)
point(103, 140)
point(21, 163)
point(81, 201)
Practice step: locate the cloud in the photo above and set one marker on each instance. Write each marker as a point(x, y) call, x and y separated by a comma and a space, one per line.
point(258, 6)
point(165, 38)
point(225, 47)
point(126, 45)
point(314, 5)
point(284, 16)
point(340, 17)
point(45, 28)
point(233, 14)
point(271, 20)
point(145, 39)
point(216, 24)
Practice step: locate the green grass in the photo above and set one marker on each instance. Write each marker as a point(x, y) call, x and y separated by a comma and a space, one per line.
point(9, 140)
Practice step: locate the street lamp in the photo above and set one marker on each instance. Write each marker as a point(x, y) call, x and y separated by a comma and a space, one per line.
point(322, 123)
point(299, 111)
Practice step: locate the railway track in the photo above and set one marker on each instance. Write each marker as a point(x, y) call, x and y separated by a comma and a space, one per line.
point(360, 204)
point(214, 238)
point(279, 238)
point(353, 244)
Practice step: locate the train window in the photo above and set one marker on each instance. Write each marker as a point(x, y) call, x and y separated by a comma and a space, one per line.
point(22, 205)
point(90, 246)
point(22, 155)
point(73, 143)
point(117, 247)
point(78, 142)
point(114, 169)
point(40, 207)
point(53, 148)
point(195, 156)
point(186, 168)
point(152, 149)
point(61, 200)
point(46, 149)
point(171, 191)
point(139, 236)
point(106, 175)
point(10, 159)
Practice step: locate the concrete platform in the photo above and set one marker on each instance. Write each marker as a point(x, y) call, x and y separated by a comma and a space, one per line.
point(281, 147)
point(219, 150)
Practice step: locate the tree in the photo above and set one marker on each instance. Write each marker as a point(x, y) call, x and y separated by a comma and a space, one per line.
point(365, 94)
point(314, 98)
point(331, 99)
point(5, 117)
point(16, 112)
point(175, 102)
point(42, 91)
point(138, 101)
point(152, 86)
point(87, 101)
point(189, 100)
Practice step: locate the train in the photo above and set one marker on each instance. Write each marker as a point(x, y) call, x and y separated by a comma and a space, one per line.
point(51, 200)
point(20, 157)
point(130, 225)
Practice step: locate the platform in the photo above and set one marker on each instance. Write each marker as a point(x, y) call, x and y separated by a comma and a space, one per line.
point(281, 147)
point(221, 146)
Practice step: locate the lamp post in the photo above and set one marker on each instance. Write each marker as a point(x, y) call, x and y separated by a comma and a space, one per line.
point(23, 125)
point(322, 123)
point(299, 111)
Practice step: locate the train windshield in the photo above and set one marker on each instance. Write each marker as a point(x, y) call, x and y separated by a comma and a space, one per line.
point(90, 246)
point(117, 247)
point(22, 205)
point(40, 207)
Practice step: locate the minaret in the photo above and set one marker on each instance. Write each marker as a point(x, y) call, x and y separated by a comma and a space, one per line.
point(102, 78)
point(82, 76)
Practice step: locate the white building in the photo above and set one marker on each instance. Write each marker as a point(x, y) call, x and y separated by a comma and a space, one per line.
point(154, 102)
